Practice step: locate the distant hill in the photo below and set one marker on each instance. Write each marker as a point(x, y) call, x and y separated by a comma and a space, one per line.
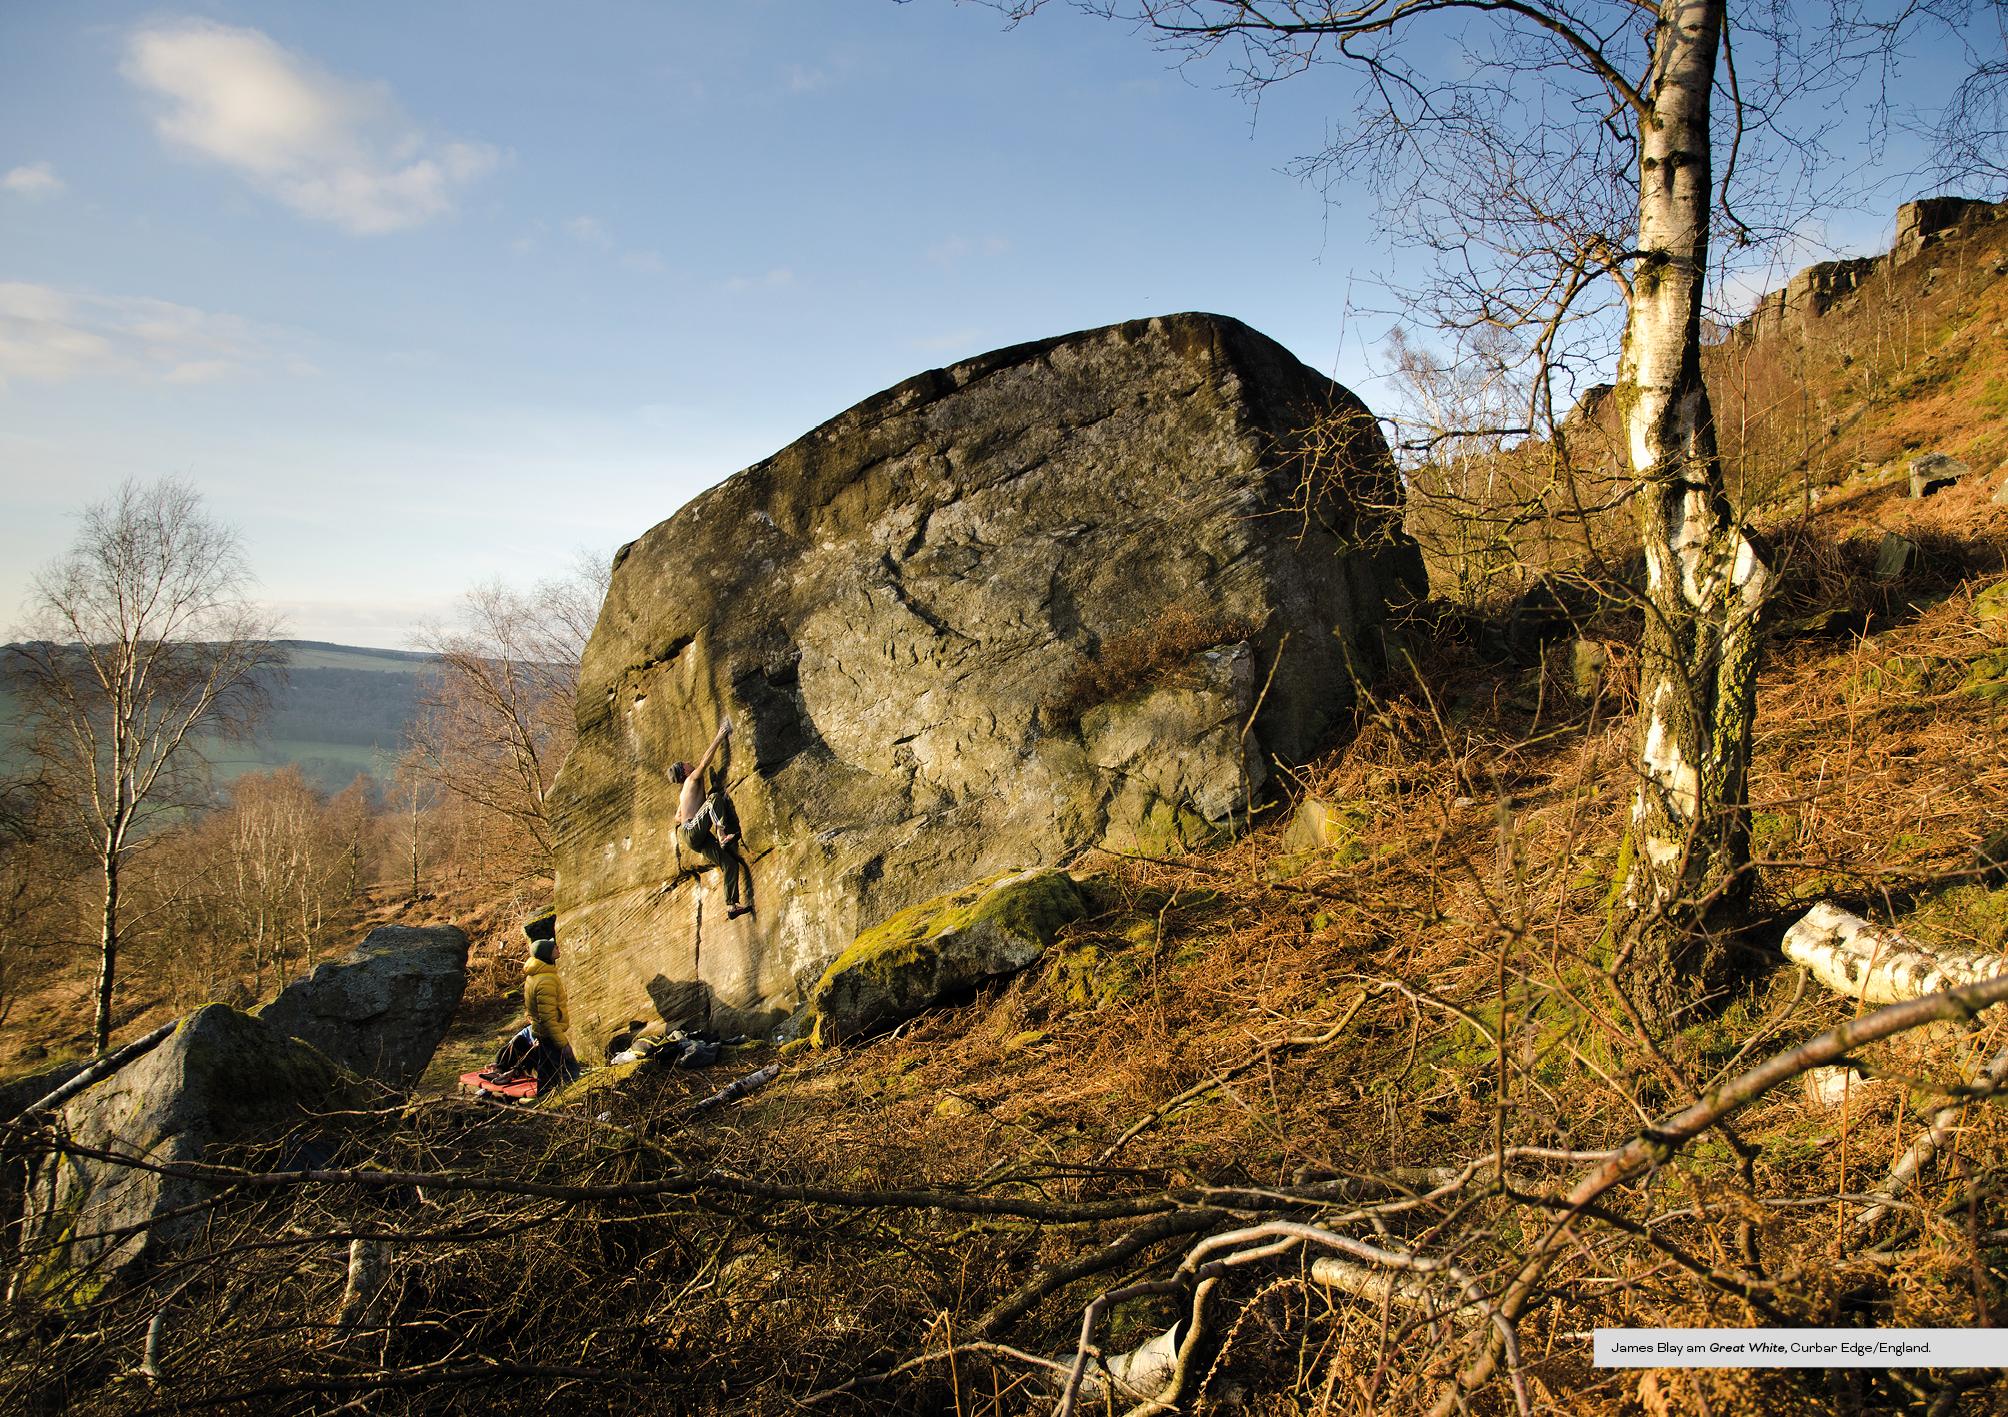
point(339, 711)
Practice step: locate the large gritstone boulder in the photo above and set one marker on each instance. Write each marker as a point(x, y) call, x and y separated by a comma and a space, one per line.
point(220, 1084)
point(1070, 594)
point(381, 1009)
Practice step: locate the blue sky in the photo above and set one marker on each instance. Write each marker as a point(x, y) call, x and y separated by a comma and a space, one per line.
point(419, 295)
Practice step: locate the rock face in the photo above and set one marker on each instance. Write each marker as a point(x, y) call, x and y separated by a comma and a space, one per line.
point(380, 1010)
point(1072, 593)
point(934, 951)
point(222, 1080)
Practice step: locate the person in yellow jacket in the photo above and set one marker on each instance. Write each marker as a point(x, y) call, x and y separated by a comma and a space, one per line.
point(544, 998)
point(544, 1045)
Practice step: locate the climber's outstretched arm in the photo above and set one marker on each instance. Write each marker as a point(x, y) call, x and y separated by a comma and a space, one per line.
point(693, 792)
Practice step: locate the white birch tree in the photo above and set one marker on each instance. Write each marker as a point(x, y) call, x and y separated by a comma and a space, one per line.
point(496, 715)
point(140, 640)
point(1567, 163)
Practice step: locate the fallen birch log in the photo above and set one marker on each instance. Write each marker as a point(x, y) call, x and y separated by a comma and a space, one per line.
point(738, 1088)
point(1369, 1285)
point(1874, 963)
point(369, 1268)
point(1922, 1152)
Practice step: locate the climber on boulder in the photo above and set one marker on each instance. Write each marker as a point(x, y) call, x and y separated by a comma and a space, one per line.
point(709, 826)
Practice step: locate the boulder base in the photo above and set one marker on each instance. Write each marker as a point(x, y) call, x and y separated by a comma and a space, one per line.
point(1073, 593)
point(935, 951)
point(382, 1008)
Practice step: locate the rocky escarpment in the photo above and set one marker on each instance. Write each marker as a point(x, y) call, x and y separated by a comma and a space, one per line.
point(1073, 593)
point(1921, 226)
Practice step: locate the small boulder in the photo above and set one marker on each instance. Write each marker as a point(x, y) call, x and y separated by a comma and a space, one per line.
point(1895, 557)
point(1934, 472)
point(222, 1081)
point(941, 948)
point(1318, 825)
point(1986, 675)
point(381, 1009)
point(1589, 661)
point(1990, 607)
point(1827, 1088)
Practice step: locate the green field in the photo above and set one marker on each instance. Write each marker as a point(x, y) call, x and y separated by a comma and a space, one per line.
point(339, 711)
point(313, 654)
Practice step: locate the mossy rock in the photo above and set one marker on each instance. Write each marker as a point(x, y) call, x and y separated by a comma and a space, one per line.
point(1089, 976)
point(589, 1085)
point(1322, 833)
point(932, 952)
point(1169, 830)
point(1909, 674)
point(1987, 676)
point(1990, 607)
point(1317, 824)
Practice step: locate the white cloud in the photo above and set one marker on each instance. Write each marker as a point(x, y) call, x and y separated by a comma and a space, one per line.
point(36, 179)
point(647, 262)
point(50, 336)
point(805, 80)
point(776, 279)
point(333, 149)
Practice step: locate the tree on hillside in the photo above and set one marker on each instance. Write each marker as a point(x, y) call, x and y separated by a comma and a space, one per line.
point(30, 876)
point(140, 639)
point(1547, 153)
point(495, 720)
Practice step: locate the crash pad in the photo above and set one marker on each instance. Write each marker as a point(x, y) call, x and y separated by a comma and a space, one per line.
point(523, 1091)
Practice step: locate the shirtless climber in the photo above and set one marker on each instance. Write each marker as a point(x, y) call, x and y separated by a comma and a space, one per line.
point(708, 825)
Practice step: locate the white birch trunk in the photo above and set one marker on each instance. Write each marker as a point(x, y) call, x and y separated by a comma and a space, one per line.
point(369, 1268)
point(1704, 579)
point(1944, 1122)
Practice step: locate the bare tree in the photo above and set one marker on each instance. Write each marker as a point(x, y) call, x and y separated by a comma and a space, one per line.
point(1970, 135)
point(1568, 166)
point(140, 640)
point(29, 875)
point(497, 718)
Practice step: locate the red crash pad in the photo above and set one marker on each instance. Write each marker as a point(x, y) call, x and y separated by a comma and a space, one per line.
point(523, 1091)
